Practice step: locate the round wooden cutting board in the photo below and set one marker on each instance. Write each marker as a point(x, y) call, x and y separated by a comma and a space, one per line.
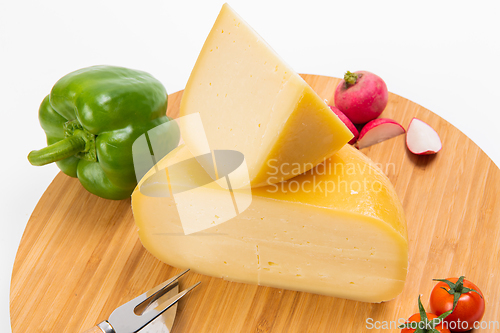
point(80, 256)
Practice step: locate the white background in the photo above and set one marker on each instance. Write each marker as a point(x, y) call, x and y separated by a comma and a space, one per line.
point(442, 55)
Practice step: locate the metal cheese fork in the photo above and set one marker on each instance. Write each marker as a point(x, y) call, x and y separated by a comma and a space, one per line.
point(139, 312)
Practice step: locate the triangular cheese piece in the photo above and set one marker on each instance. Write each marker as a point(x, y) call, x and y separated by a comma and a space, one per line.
point(251, 101)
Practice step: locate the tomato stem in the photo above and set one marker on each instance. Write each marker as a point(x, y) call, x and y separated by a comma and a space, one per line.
point(457, 289)
point(425, 325)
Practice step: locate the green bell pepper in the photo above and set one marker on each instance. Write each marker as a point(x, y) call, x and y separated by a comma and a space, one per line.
point(91, 119)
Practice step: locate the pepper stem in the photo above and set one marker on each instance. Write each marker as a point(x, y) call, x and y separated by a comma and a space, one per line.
point(350, 78)
point(60, 150)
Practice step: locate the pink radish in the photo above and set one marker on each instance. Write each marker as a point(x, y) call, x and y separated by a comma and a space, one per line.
point(347, 122)
point(361, 96)
point(422, 139)
point(378, 130)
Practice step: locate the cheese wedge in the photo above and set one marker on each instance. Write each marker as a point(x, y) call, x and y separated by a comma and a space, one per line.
point(251, 101)
point(337, 230)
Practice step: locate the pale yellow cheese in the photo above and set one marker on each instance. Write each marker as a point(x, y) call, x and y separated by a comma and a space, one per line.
point(337, 230)
point(251, 101)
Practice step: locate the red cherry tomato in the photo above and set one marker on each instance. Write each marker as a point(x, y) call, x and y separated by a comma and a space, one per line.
point(416, 319)
point(469, 309)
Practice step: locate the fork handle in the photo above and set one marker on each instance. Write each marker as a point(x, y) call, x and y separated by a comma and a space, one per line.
point(102, 327)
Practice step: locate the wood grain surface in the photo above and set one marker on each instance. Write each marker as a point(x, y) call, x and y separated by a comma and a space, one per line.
point(80, 256)
point(94, 329)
